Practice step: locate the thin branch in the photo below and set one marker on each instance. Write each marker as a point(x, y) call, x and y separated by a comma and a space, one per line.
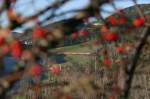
point(139, 10)
point(133, 65)
point(52, 7)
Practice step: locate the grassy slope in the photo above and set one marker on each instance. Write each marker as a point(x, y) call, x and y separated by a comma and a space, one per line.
point(79, 48)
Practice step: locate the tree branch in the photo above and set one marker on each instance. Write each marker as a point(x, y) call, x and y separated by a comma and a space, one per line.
point(133, 65)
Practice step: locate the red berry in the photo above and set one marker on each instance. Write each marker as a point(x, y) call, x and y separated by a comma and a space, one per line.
point(36, 70)
point(2, 40)
point(55, 69)
point(16, 49)
point(11, 14)
point(38, 32)
point(112, 20)
point(15, 44)
point(138, 22)
point(83, 33)
point(107, 62)
point(104, 29)
point(110, 36)
point(120, 49)
point(74, 35)
point(16, 53)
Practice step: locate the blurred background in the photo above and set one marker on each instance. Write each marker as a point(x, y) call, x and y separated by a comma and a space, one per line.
point(58, 36)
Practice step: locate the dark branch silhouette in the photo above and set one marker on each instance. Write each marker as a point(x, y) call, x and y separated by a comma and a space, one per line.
point(131, 68)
